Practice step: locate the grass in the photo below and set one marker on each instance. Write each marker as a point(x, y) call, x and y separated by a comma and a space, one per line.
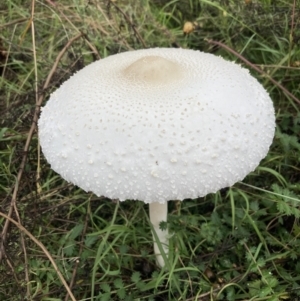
point(61, 243)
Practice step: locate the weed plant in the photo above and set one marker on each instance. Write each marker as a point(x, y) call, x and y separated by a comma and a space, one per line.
point(60, 243)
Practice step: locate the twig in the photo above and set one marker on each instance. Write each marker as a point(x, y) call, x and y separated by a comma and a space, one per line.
point(112, 25)
point(14, 22)
point(201, 297)
point(28, 141)
point(26, 271)
point(79, 254)
point(47, 82)
point(293, 22)
point(37, 242)
point(12, 268)
point(255, 68)
point(291, 44)
point(92, 47)
point(130, 23)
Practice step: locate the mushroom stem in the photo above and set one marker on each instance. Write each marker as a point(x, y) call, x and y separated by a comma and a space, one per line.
point(158, 213)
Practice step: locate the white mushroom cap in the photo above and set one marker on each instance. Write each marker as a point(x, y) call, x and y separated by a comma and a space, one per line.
point(157, 125)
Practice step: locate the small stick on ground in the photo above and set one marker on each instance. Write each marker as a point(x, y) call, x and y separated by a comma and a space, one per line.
point(36, 241)
point(79, 254)
point(256, 68)
point(27, 144)
point(130, 23)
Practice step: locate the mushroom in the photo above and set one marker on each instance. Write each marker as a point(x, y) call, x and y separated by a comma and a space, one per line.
point(157, 125)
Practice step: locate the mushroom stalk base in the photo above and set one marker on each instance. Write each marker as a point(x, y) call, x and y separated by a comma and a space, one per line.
point(158, 213)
